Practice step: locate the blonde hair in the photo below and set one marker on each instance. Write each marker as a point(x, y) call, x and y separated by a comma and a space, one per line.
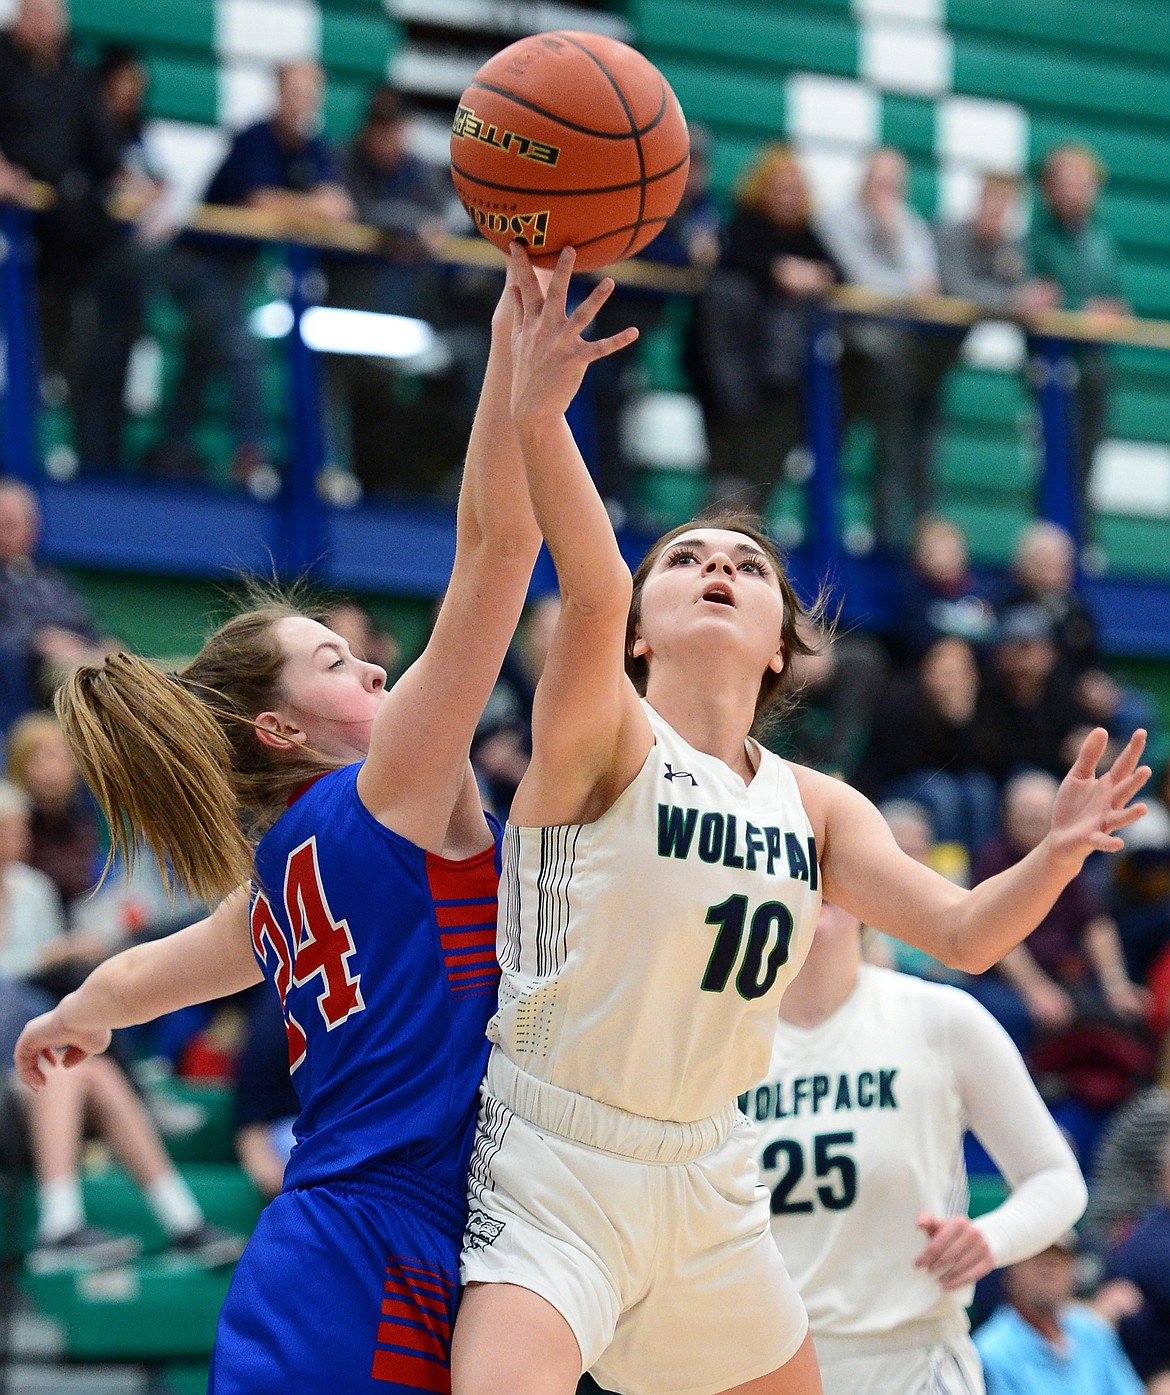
point(24, 736)
point(774, 158)
point(175, 758)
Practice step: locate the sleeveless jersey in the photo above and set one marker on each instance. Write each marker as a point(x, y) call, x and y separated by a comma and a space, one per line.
point(644, 955)
point(383, 957)
point(861, 1126)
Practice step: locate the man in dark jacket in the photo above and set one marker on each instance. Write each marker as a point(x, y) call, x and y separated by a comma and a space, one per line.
point(52, 131)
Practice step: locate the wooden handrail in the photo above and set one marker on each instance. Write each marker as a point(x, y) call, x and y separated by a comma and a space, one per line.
point(261, 225)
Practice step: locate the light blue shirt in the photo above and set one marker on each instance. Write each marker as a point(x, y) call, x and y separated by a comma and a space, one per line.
point(1018, 1360)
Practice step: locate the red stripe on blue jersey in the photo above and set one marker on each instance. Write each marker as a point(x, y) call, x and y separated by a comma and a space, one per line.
point(414, 1335)
point(465, 912)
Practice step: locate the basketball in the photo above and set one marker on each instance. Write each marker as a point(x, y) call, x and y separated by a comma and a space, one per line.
point(570, 139)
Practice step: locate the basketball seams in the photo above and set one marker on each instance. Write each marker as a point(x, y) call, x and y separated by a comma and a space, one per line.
point(632, 228)
point(584, 48)
point(583, 84)
point(538, 110)
point(566, 193)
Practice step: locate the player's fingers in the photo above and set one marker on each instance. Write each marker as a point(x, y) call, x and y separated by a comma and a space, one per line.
point(526, 282)
point(584, 314)
point(1125, 789)
point(1105, 842)
point(558, 288)
point(1092, 749)
point(934, 1254)
point(74, 1055)
point(1130, 755)
point(602, 348)
point(1122, 818)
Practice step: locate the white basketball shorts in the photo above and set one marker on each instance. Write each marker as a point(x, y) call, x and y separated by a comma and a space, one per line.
point(942, 1361)
point(665, 1271)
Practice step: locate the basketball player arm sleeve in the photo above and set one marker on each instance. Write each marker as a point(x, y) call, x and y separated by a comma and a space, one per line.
point(1009, 1118)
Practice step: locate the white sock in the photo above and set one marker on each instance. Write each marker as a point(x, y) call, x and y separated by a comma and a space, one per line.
point(174, 1205)
point(60, 1208)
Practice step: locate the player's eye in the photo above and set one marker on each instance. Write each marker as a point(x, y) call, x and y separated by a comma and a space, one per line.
point(338, 663)
point(754, 564)
point(680, 554)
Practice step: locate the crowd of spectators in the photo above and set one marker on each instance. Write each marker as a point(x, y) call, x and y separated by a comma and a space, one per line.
point(958, 721)
point(85, 133)
point(780, 255)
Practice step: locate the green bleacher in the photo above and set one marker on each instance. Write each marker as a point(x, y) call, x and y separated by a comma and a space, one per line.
point(1081, 71)
point(159, 1312)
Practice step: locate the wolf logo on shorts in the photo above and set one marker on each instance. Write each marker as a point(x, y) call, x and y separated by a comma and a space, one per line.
point(481, 1231)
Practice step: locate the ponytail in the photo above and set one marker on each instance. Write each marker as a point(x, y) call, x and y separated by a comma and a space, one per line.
point(158, 763)
point(175, 760)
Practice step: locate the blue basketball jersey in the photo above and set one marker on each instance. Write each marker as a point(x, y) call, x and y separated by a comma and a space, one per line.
point(383, 956)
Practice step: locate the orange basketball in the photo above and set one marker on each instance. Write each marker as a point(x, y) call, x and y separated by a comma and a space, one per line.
point(570, 139)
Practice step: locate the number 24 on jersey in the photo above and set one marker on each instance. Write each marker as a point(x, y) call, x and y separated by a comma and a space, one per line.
point(321, 947)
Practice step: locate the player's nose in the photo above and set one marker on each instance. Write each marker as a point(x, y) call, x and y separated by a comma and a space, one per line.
point(718, 562)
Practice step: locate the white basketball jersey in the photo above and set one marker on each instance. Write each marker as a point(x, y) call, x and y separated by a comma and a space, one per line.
point(644, 955)
point(861, 1129)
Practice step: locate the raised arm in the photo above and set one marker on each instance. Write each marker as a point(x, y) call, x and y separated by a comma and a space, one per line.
point(210, 959)
point(868, 874)
point(417, 778)
point(587, 723)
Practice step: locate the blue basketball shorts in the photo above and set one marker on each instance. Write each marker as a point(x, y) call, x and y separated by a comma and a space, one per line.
point(346, 1286)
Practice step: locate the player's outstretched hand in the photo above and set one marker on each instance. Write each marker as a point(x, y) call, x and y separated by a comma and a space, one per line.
point(1091, 808)
point(549, 351)
point(957, 1252)
point(48, 1041)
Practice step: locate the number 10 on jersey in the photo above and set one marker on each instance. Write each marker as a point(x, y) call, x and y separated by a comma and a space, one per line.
point(771, 925)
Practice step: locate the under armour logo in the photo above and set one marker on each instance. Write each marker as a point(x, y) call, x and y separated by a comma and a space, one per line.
point(673, 775)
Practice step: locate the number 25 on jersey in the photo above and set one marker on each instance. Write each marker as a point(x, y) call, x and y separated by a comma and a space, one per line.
point(321, 946)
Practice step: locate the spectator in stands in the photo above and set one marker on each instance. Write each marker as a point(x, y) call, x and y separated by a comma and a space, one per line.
point(110, 312)
point(65, 837)
point(1139, 895)
point(691, 237)
point(1044, 573)
point(1072, 961)
point(266, 1103)
point(52, 130)
point(1027, 710)
point(45, 626)
point(282, 167)
point(1041, 1343)
point(1143, 1258)
point(891, 373)
point(402, 196)
point(33, 941)
point(405, 198)
point(747, 346)
point(984, 258)
point(927, 744)
point(1128, 1167)
point(939, 594)
point(1075, 257)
